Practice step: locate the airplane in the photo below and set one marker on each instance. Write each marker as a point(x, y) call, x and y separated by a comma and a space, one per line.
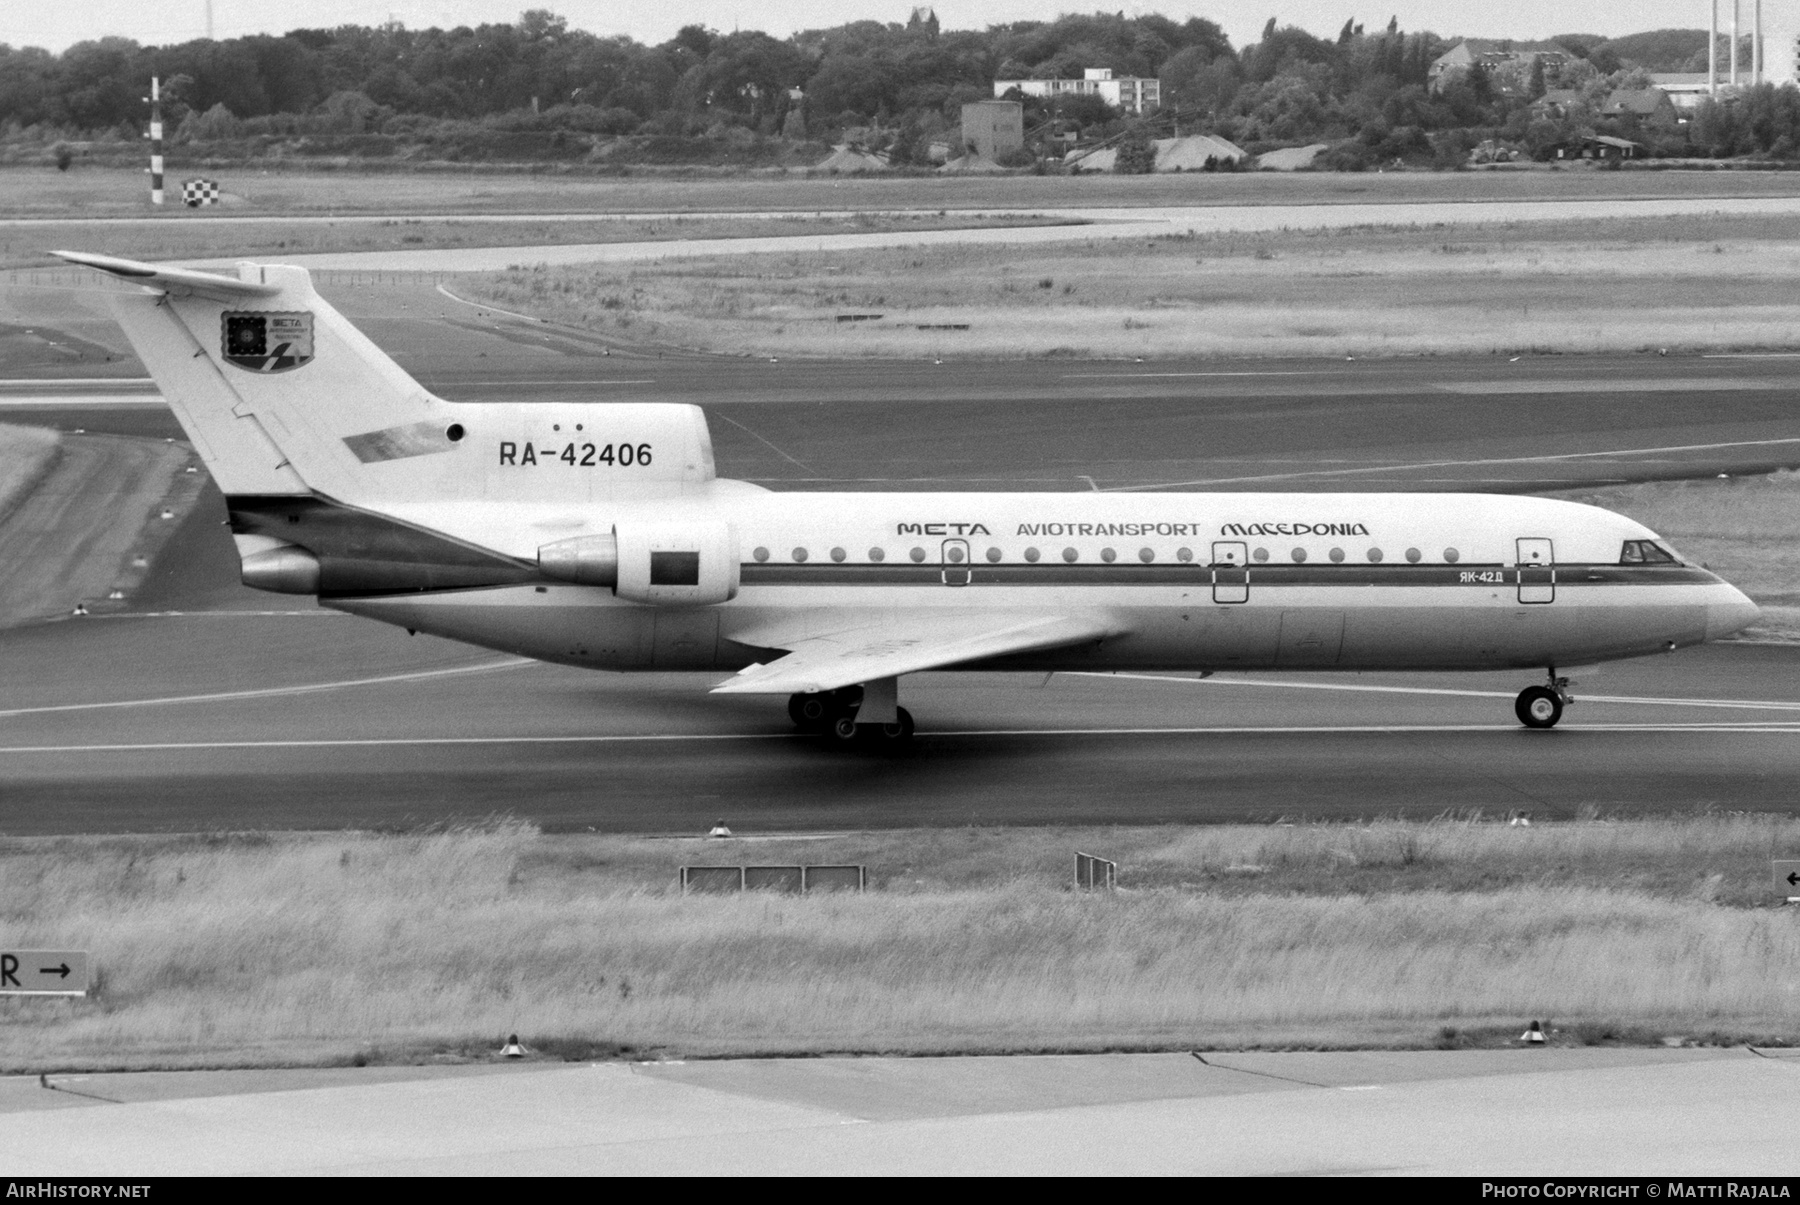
point(599, 535)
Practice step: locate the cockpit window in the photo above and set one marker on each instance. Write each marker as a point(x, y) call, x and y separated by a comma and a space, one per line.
point(1645, 552)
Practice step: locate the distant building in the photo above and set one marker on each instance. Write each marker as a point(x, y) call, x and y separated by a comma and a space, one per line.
point(992, 128)
point(1781, 51)
point(1194, 153)
point(1556, 102)
point(1508, 62)
point(1638, 102)
point(1598, 146)
point(1685, 89)
point(1127, 92)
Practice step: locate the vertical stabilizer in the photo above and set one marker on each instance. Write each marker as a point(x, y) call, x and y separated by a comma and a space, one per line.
point(280, 393)
point(283, 396)
point(317, 387)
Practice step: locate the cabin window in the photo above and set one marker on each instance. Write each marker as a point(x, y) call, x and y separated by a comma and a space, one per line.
point(761, 554)
point(1299, 555)
point(877, 554)
point(1412, 555)
point(1070, 555)
point(1645, 552)
point(838, 554)
point(1337, 556)
point(1261, 554)
point(1184, 555)
point(917, 554)
point(1146, 555)
point(799, 555)
point(953, 554)
point(1108, 555)
point(1374, 556)
point(993, 554)
point(1032, 554)
point(1451, 556)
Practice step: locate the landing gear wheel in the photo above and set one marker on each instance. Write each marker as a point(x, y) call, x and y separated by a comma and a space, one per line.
point(844, 728)
point(811, 712)
point(1538, 707)
point(896, 733)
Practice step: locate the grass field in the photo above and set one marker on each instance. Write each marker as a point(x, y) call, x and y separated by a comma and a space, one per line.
point(1578, 286)
point(324, 948)
point(84, 192)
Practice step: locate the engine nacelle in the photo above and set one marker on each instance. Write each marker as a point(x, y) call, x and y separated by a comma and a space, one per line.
point(681, 564)
point(585, 560)
point(670, 564)
point(277, 566)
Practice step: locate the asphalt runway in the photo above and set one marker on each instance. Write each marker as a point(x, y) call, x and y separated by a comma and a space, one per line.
point(246, 717)
point(431, 731)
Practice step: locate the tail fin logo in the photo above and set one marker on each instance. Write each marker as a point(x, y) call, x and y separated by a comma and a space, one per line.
point(265, 341)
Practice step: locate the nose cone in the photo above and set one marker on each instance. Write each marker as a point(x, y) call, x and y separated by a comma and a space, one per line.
point(1728, 611)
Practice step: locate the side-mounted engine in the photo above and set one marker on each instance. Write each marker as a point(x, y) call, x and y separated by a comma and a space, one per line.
point(671, 564)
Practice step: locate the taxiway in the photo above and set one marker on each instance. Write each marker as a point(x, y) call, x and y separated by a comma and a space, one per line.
point(197, 704)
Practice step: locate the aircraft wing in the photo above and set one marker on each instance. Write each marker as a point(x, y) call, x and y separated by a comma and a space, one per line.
point(828, 654)
point(179, 281)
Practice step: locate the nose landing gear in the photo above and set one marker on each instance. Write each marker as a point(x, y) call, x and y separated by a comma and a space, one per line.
point(1542, 706)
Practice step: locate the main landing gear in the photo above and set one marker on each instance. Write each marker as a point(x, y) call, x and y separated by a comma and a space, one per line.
point(1542, 706)
point(853, 714)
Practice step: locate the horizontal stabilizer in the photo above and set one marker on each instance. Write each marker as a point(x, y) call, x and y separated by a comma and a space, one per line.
point(179, 281)
point(826, 655)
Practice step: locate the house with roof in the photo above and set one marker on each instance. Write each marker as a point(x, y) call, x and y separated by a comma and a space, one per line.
point(1507, 61)
point(1638, 102)
point(1598, 146)
point(1686, 90)
point(1556, 103)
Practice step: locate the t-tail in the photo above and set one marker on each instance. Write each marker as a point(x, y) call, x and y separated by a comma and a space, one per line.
point(343, 474)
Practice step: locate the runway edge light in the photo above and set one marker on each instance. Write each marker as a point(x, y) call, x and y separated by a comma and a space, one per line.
point(513, 1049)
point(1533, 1035)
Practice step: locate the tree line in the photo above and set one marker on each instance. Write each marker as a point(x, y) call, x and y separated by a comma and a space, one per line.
point(539, 88)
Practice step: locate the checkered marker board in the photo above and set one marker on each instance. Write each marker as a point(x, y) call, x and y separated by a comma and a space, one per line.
point(195, 193)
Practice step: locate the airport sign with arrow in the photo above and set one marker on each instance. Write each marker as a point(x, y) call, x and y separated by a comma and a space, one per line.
point(51, 972)
point(1787, 877)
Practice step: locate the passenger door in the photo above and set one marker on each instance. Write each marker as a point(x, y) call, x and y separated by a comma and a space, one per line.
point(1230, 572)
point(1537, 571)
point(956, 562)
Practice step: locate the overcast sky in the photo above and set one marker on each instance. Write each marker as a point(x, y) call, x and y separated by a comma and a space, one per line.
point(56, 26)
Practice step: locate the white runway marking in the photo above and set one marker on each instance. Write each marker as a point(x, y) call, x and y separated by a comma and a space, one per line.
point(1630, 385)
point(765, 442)
point(79, 401)
point(476, 305)
point(320, 614)
point(1164, 376)
point(1453, 464)
point(1773, 728)
point(71, 382)
point(274, 691)
point(1358, 687)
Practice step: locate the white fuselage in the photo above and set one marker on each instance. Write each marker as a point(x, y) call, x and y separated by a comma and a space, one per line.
point(1183, 581)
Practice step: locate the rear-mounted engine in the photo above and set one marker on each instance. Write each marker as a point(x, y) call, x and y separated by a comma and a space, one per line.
point(672, 564)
